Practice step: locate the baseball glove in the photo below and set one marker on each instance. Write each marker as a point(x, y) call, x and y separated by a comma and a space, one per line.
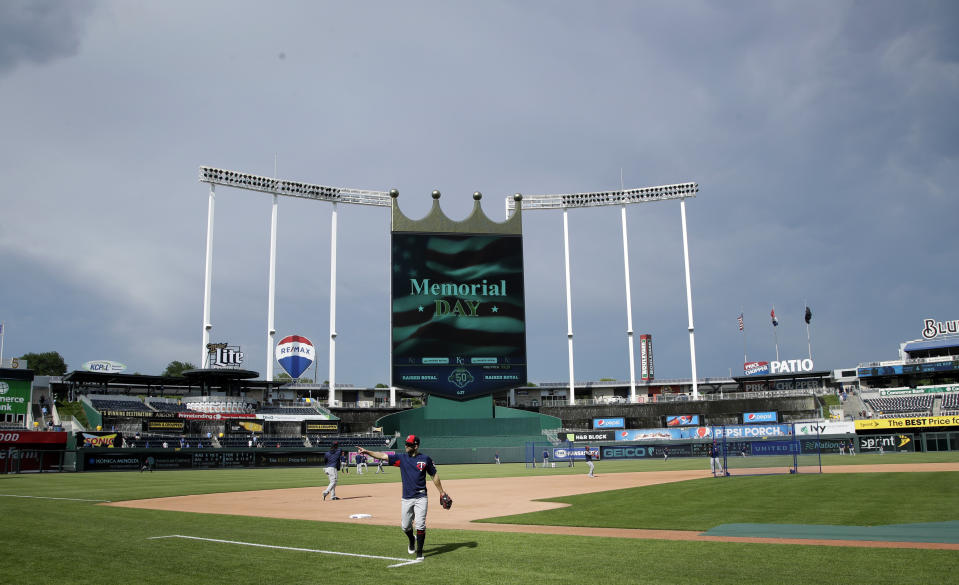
point(446, 501)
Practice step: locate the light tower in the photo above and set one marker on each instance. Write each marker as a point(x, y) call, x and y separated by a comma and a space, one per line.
point(276, 187)
point(623, 198)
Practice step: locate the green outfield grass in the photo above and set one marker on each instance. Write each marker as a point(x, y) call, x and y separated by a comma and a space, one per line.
point(64, 541)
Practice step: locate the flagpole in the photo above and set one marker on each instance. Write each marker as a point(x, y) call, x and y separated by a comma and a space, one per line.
point(775, 335)
point(742, 327)
point(2, 333)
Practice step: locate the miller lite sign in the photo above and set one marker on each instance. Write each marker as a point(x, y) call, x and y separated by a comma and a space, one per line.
point(221, 355)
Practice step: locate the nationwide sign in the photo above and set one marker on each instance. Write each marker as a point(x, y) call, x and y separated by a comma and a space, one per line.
point(907, 423)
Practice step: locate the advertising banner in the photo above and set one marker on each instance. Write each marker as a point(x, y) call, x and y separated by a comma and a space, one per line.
point(900, 370)
point(904, 443)
point(775, 448)
point(579, 437)
point(757, 431)
point(825, 428)
point(137, 414)
point(921, 390)
point(327, 427)
point(165, 425)
point(458, 313)
point(575, 453)
point(33, 439)
point(683, 420)
point(646, 357)
point(656, 451)
point(756, 368)
point(99, 439)
point(213, 416)
point(673, 433)
point(733, 432)
point(813, 446)
point(907, 423)
point(609, 423)
point(14, 396)
point(759, 417)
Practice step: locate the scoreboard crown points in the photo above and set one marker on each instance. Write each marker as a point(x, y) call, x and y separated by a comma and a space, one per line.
point(436, 221)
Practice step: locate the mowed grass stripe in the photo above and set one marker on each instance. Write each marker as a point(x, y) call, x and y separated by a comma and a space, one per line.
point(859, 499)
point(67, 543)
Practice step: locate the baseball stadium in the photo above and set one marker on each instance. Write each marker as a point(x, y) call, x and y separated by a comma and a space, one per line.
point(784, 474)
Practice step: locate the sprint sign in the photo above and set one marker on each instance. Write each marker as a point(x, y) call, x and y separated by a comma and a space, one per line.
point(295, 354)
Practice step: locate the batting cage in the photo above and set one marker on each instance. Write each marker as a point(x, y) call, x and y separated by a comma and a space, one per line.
point(550, 455)
point(764, 450)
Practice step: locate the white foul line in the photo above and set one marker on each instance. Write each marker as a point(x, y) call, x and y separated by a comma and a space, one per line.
point(325, 552)
point(51, 498)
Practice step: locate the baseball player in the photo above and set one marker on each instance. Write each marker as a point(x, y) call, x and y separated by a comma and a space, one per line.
point(714, 464)
point(666, 453)
point(413, 469)
point(332, 469)
point(360, 464)
point(545, 458)
point(589, 461)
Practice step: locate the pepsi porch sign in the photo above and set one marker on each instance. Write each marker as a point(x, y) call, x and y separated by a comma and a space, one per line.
point(609, 423)
point(295, 354)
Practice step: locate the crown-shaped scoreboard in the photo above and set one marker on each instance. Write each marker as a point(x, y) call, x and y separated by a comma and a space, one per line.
point(458, 314)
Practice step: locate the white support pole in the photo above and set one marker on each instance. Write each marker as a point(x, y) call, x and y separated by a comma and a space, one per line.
point(208, 278)
point(629, 313)
point(270, 321)
point(689, 301)
point(392, 396)
point(569, 310)
point(332, 381)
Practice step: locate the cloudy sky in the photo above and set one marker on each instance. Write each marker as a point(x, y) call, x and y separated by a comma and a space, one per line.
point(823, 135)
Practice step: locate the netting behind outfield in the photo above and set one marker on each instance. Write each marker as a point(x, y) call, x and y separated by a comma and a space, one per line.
point(549, 455)
point(777, 454)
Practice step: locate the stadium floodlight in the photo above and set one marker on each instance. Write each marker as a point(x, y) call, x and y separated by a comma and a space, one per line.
point(622, 197)
point(603, 198)
point(277, 187)
point(272, 185)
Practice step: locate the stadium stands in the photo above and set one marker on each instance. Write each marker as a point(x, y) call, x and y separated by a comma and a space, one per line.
point(128, 404)
point(900, 405)
point(347, 441)
point(950, 404)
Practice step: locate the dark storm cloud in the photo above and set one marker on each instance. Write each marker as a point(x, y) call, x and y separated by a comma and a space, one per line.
point(40, 31)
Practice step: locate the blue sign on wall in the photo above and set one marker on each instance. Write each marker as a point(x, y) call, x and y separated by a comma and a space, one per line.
point(759, 417)
point(609, 423)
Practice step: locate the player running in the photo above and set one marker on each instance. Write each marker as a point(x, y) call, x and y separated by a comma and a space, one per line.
point(413, 469)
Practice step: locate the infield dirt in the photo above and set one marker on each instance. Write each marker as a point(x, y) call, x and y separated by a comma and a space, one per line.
point(476, 499)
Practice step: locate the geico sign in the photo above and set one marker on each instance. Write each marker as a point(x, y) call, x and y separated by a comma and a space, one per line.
point(625, 452)
point(790, 366)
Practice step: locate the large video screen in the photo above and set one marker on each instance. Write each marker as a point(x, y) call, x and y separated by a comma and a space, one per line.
point(459, 320)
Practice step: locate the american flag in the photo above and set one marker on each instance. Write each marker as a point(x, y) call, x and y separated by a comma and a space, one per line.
point(740, 321)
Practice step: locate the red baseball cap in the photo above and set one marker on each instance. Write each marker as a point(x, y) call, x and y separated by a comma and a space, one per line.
point(412, 440)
